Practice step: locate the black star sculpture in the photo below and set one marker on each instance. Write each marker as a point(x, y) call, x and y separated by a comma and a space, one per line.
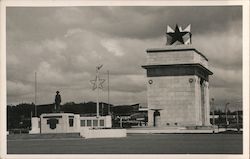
point(177, 35)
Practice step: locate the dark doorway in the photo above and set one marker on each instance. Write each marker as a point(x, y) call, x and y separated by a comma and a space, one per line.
point(156, 118)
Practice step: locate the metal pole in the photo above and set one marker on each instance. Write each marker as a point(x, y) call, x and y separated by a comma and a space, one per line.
point(40, 125)
point(108, 94)
point(97, 84)
point(213, 114)
point(237, 119)
point(35, 96)
point(226, 114)
point(120, 121)
point(102, 109)
point(237, 114)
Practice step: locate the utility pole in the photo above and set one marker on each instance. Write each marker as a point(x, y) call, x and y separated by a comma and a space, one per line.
point(213, 114)
point(98, 93)
point(121, 121)
point(237, 116)
point(226, 113)
point(102, 108)
point(108, 94)
point(237, 119)
point(35, 95)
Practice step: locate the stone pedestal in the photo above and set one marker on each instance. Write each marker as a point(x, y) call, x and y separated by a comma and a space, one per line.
point(177, 87)
point(59, 123)
point(35, 125)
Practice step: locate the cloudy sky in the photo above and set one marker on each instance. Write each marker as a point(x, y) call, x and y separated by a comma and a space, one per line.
point(65, 44)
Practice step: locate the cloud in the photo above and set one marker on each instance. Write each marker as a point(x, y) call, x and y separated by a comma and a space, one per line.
point(218, 45)
point(141, 22)
point(128, 83)
point(130, 22)
point(72, 32)
point(49, 75)
point(113, 47)
point(16, 87)
point(55, 45)
point(224, 78)
point(65, 44)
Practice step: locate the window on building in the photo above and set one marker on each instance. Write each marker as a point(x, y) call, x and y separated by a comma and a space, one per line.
point(89, 123)
point(95, 122)
point(71, 122)
point(101, 122)
point(82, 122)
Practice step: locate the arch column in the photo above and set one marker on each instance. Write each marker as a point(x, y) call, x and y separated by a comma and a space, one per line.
point(206, 103)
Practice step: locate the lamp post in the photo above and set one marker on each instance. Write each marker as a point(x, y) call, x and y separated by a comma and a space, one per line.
point(108, 94)
point(121, 121)
point(237, 120)
point(237, 115)
point(213, 106)
point(35, 95)
point(226, 108)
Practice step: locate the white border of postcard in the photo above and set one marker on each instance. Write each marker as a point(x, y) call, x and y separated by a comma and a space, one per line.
point(46, 3)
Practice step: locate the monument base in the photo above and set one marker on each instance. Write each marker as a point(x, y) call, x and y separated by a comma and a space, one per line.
point(173, 130)
point(59, 123)
point(35, 123)
point(104, 133)
point(68, 123)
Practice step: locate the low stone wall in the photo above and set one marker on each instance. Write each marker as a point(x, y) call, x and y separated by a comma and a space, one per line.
point(104, 133)
point(43, 136)
point(171, 130)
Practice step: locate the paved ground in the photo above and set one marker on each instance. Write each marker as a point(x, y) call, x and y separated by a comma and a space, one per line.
point(133, 144)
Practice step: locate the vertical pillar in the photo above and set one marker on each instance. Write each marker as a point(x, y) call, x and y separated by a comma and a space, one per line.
point(207, 104)
point(150, 118)
point(35, 127)
point(202, 90)
point(198, 101)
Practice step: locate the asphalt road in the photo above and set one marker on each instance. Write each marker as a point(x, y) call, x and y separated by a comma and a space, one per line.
point(133, 144)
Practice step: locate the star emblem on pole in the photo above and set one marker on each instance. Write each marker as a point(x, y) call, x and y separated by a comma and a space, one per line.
point(94, 83)
point(97, 82)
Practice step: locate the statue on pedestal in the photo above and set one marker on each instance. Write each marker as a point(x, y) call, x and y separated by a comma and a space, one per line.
point(57, 102)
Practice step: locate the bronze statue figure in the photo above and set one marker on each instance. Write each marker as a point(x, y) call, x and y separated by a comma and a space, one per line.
point(57, 101)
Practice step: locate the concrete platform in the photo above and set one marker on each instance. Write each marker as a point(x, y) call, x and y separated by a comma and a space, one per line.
point(43, 136)
point(103, 133)
point(171, 130)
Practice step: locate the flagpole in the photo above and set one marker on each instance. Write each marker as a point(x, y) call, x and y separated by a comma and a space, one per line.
point(35, 95)
point(213, 106)
point(108, 95)
point(97, 83)
point(226, 108)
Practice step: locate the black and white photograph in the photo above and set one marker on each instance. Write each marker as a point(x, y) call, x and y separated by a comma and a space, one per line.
point(142, 79)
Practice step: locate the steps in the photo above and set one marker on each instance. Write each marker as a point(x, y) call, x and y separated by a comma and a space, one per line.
point(165, 130)
point(43, 136)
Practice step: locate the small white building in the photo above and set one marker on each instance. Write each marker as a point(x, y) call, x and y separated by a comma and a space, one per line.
point(88, 127)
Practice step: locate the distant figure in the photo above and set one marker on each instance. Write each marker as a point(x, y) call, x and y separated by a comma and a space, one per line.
point(57, 101)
